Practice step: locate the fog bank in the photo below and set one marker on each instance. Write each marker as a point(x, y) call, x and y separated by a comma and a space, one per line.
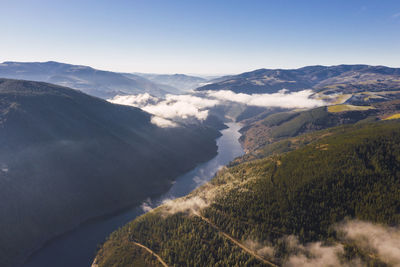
point(174, 110)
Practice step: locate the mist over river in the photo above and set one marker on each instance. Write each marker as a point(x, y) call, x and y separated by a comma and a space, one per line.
point(77, 248)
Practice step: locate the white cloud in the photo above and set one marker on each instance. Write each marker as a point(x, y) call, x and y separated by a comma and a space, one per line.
point(196, 101)
point(175, 109)
point(172, 109)
point(381, 240)
point(146, 205)
point(260, 249)
point(314, 254)
point(140, 100)
point(282, 99)
point(163, 123)
point(187, 204)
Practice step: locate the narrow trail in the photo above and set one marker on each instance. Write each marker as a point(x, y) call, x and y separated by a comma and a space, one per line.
point(235, 241)
point(231, 175)
point(152, 253)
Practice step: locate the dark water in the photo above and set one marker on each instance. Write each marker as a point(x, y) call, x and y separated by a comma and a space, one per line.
point(77, 248)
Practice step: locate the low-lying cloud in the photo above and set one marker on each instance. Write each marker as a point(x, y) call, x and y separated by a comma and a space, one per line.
point(313, 254)
point(377, 241)
point(193, 203)
point(265, 251)
point(187, 204)
point(176, 109)
point(383, 241)
point(172, 110)
point(140, 100)
point(281, 99)
point(163, 123)
point(146, 205)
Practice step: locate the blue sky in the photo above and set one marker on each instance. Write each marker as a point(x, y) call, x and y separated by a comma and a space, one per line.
point(205, 37)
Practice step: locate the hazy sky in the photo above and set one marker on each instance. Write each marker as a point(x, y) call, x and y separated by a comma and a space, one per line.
point(209, 37)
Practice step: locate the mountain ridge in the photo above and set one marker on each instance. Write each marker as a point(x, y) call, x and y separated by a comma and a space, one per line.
point(308, 77)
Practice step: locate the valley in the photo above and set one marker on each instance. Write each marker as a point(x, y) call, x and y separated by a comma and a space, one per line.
point(200, 133)
point(273, 205)
point(67, 157)
point(115, 168)
point(308, 177)
point(64, 251)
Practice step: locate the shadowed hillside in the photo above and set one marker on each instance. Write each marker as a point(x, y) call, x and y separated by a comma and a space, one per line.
point(66, 157)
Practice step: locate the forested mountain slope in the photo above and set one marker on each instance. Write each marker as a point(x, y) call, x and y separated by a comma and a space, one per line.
point(279, 126)
point(288, 209)
point(66, 157)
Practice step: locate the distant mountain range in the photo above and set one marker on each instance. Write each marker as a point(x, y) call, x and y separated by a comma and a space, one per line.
point(181, 81)
point(104, 84)
point(66, 157)
point(341, 78)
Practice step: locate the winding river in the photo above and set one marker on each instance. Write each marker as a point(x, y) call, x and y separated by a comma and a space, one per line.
point(77, 248)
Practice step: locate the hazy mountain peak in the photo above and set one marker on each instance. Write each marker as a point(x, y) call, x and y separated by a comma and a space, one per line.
point(99, 83)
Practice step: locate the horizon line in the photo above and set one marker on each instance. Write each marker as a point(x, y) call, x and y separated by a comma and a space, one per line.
point(198, 73)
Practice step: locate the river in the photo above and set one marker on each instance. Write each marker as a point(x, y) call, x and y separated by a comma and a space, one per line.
point(77, 248)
